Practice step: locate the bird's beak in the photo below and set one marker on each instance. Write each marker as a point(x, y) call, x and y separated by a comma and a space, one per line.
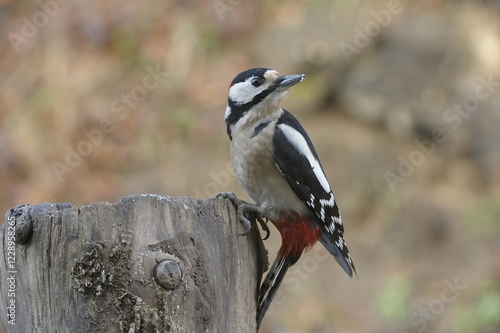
point(286, 81)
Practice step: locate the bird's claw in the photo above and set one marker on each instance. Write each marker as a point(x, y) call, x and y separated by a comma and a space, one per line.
point(263, 225)
point(243, 207)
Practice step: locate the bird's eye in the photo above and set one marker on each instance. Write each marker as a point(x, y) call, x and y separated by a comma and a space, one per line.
point(256, 82)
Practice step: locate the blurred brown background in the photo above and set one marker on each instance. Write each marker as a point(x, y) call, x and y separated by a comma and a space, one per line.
point(99, 100)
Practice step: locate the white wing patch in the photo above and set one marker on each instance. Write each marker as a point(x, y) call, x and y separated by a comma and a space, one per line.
point(322, 214)
point(340, 243)
point(310, 203)
point(337, 220)
point(330, 202)
point(331, 228)
point(298, 141)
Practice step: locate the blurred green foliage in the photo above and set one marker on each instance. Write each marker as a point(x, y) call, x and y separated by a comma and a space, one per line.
point(392, 302)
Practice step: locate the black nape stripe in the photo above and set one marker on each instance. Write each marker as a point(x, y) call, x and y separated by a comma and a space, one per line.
point(259, 128)
point(228, 129)
point(235, 114)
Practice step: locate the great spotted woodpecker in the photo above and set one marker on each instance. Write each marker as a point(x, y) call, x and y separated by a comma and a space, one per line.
point(277, 166)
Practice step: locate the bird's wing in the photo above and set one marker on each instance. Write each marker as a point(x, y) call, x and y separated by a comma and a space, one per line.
point(297, 160)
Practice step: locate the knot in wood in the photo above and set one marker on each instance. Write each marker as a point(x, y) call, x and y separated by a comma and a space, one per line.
point(19, 218)
point(167, 274)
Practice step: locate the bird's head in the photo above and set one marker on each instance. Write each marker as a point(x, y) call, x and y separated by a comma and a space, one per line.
point(257, 90)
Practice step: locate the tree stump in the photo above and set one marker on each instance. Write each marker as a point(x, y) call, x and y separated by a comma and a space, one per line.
point(147, 263)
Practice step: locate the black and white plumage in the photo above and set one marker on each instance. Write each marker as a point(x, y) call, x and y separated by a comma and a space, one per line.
point(278, 167)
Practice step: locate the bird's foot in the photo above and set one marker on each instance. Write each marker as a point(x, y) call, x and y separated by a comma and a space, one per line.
point(244, 209)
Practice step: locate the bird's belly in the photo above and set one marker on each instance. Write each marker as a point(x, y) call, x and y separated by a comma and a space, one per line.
point(257, 173)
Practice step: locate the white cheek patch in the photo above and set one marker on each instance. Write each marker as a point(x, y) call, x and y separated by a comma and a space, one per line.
point(244, 92)
point(298, 141)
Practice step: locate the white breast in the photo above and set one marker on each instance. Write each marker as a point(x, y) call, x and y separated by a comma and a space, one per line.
point(258, 175)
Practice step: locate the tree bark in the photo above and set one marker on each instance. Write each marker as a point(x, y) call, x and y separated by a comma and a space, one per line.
point(147, 263)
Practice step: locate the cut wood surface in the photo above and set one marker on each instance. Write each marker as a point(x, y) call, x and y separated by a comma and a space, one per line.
point(147, 263)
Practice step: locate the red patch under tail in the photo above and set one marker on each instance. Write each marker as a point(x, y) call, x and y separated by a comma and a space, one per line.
point(298, 234)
